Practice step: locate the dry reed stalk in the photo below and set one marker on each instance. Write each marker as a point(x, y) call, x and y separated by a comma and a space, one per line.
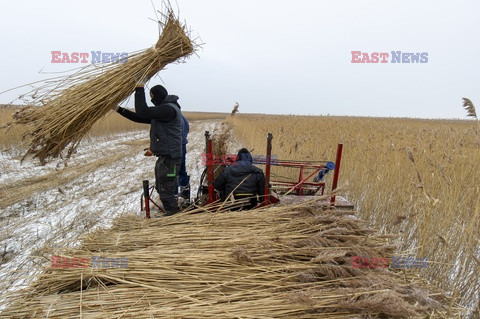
point(76, 102)
point(235, 109)
point(276, 262)
point(469, 107)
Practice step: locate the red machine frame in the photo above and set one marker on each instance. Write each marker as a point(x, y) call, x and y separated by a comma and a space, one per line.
point(146, 198)
point(293, 186)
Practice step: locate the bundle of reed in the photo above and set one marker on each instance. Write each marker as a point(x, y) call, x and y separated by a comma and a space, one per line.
point(278, 262)
point(72, 104)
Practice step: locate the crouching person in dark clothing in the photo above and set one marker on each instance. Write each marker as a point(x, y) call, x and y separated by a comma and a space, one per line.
point(165, 120)
point(243, 179)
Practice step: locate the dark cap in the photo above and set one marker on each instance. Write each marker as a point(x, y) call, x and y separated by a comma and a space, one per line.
point(159, 94)
point(244, 155)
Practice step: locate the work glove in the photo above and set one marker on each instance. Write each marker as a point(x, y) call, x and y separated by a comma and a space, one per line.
point(148, 152)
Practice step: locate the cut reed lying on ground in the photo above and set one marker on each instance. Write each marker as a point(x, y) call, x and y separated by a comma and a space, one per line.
point(276, 262)
point(78, 101)
point(432, 200)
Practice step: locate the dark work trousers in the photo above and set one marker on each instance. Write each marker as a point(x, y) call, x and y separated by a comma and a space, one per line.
point(183, 178)
point(166, 172)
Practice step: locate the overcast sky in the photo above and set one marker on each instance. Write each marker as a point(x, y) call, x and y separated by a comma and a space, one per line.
point(272, 56)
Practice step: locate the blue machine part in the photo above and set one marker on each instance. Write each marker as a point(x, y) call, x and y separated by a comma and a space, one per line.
point(330, 166)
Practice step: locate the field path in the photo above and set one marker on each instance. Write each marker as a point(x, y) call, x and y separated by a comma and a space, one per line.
point(46, 208)
point(16, 191)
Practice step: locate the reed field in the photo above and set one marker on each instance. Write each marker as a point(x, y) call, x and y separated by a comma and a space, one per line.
point(417, 179)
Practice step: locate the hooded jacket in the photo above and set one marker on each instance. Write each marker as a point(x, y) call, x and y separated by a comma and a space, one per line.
point(233, 175)
point(165, 121)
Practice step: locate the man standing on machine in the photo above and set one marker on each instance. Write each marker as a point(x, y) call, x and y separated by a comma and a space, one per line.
point(165, 119)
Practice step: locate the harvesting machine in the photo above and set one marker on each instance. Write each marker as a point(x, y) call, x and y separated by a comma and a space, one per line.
point(278, 189)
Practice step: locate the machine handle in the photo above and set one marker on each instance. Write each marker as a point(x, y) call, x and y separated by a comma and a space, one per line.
point(146, 189)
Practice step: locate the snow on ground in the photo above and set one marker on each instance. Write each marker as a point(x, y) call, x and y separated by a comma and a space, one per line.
point(103, 180)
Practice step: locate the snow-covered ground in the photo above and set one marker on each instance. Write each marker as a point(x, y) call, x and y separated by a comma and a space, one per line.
point(46, 208)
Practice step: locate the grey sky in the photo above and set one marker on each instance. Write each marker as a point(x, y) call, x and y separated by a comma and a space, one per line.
point(272, 56)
